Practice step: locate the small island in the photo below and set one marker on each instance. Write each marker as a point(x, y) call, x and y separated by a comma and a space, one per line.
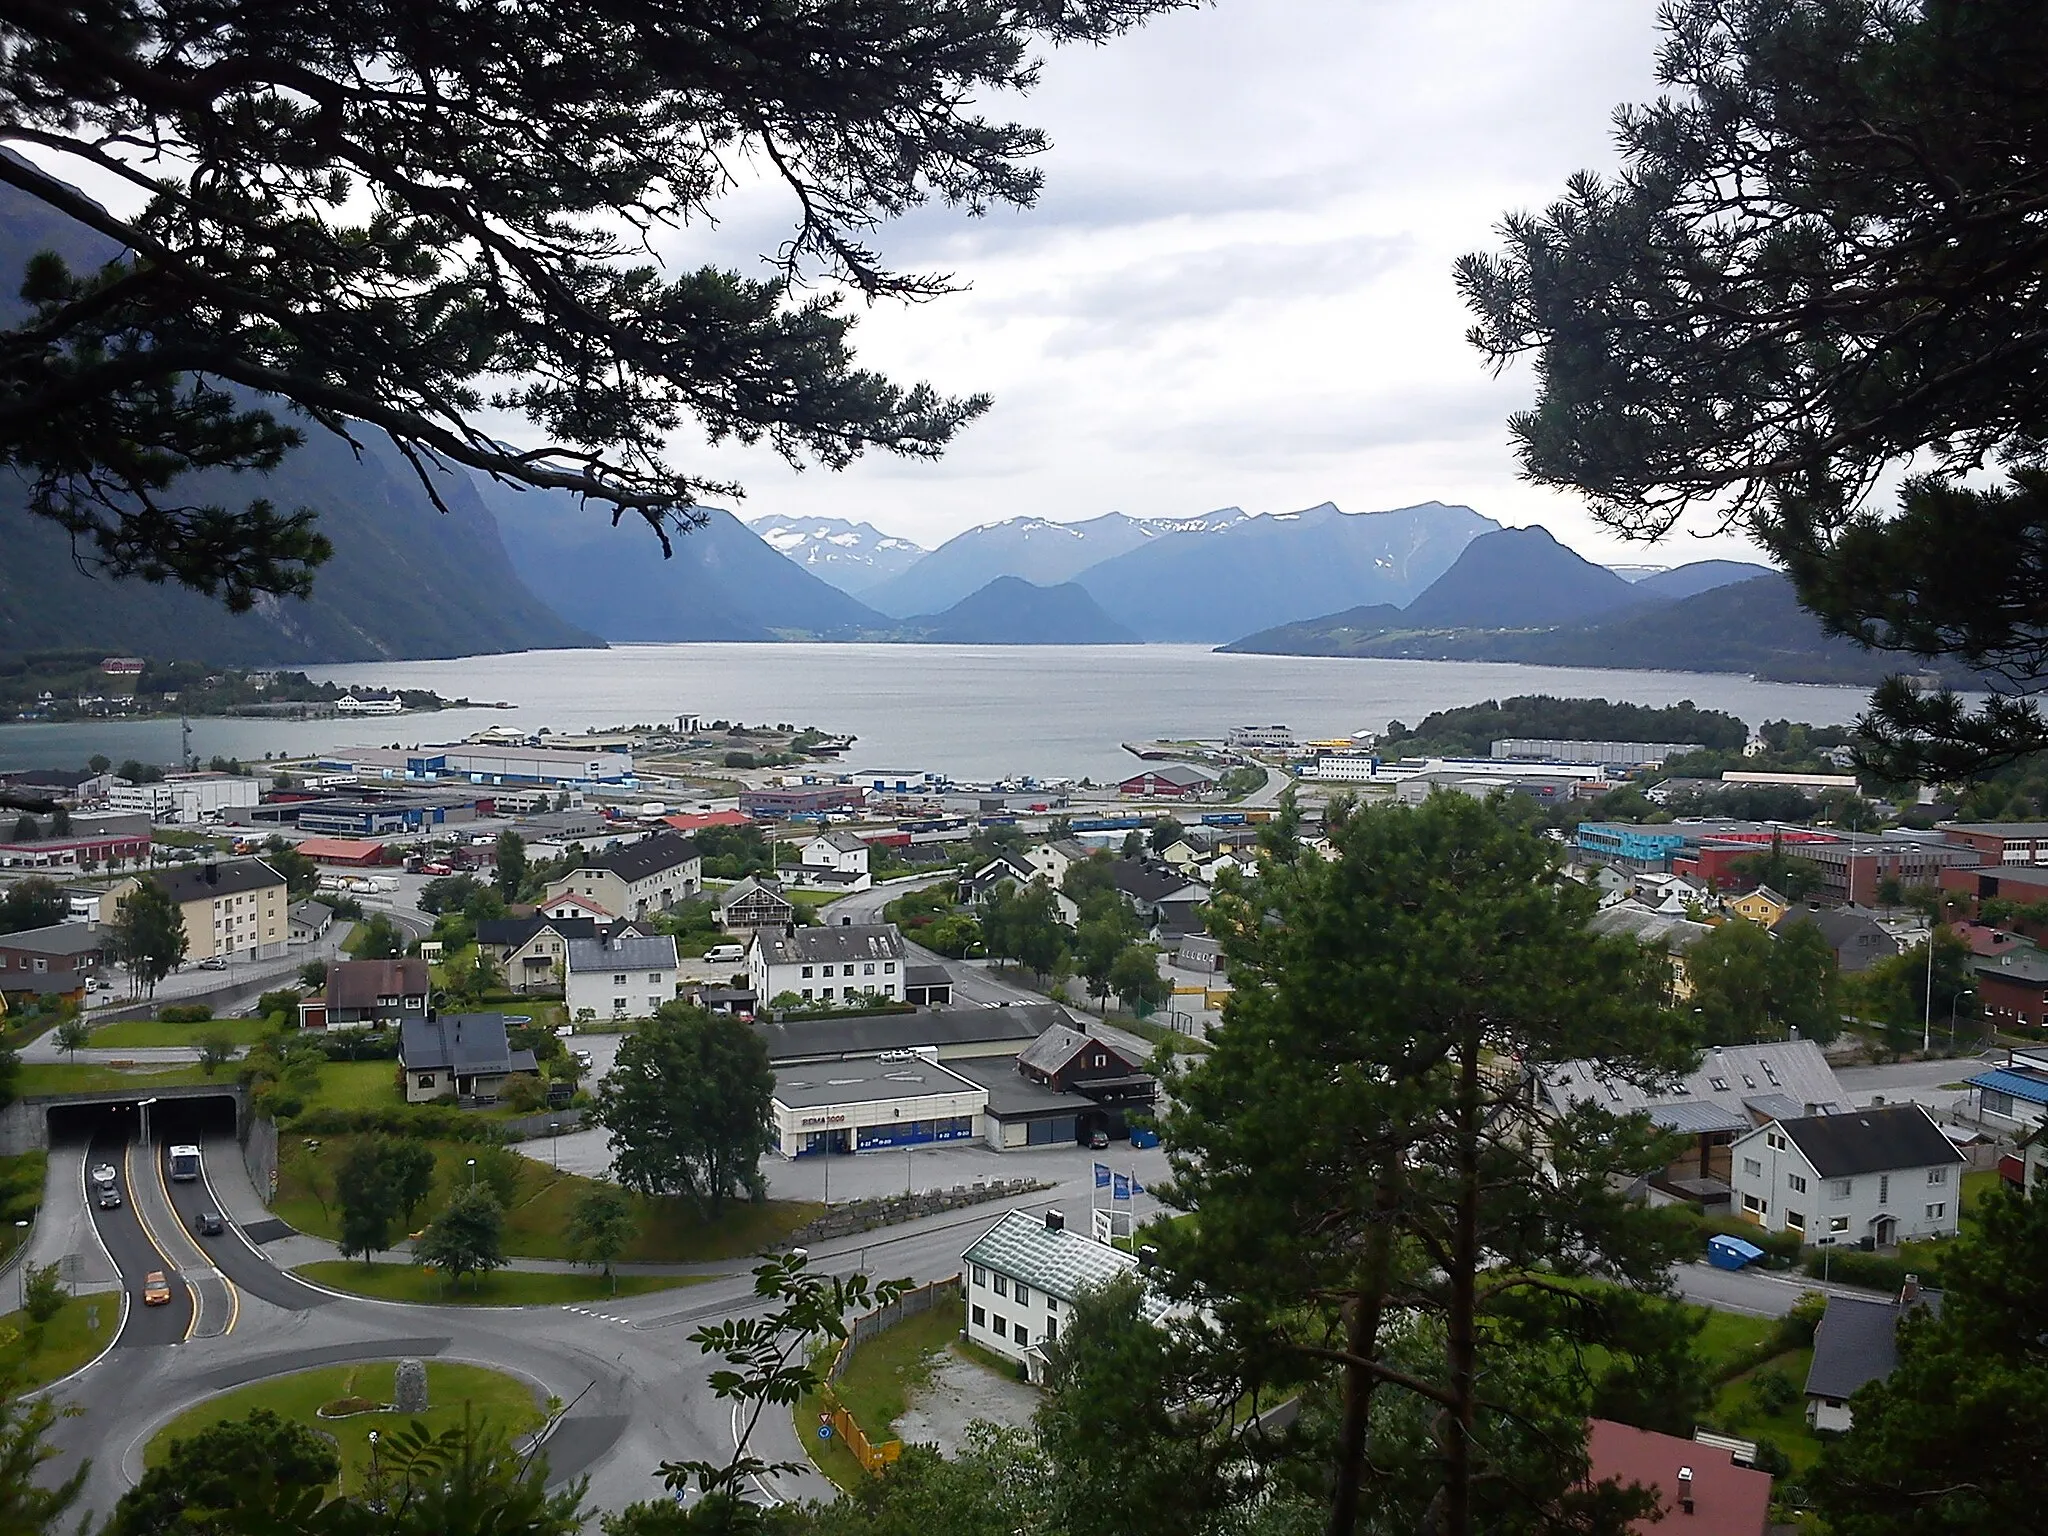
point(86, 685)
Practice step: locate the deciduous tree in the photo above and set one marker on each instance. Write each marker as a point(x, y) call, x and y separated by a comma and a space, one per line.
point(31, 1502)
point(688, 1104)
point(511, 864)
point(235, 1467)
point(37, 902)
point(467, 1238)
point(368, 1197)
point(147, 934)
point(601, 1225)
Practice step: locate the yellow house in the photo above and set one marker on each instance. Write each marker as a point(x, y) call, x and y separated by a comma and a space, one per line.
point(233, 911)
point(1762, 906)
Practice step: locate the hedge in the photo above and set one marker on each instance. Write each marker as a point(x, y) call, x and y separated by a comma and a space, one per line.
point(185, 1013)
point(1781, 1248)
point(1877, 1271)
point(432, 1122)
point(360, 1044)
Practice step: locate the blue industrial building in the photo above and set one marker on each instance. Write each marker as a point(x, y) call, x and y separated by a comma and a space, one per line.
point(1617, 842)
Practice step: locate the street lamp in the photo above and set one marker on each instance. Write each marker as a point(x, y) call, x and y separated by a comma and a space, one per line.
point(21, 1237)
point(1965, 992)
point(472, 1173)
point(555, 1144)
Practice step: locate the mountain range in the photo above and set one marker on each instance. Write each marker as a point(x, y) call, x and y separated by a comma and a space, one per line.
point(1013, 611)
point(851, 556)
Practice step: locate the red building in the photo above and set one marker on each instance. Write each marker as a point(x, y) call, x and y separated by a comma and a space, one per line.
point(1170, 781)
point(348, 852)
point(1700, 1491)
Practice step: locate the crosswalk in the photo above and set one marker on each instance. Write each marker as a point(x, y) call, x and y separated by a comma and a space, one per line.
point(603, 1317)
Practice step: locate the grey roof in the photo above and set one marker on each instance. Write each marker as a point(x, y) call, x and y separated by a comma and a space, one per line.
point(753, 885)
point(1857, 1343)
point(649, 856)
point(202, 882)
point(1013, 1096)
point(513, 932)
point(1664, 930)
point(1146, 880)
point(1871, 1141)
point(1001, 1031)
point(57, 939)
point(858, 941)
point(1053, 1049)
point(864, 1082)
point(2022, 962)
point(1062, 1264)
point(1854, 937)
point(461, 1042)
point(312, 912)
point(927, 976)
point(1710, 1098)
point(1173, 773)
point(841, 842)
point(41, 982)
point(629, 954)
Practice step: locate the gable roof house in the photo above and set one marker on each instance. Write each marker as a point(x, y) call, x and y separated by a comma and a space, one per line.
point(1735, 1089)
point(651, 875)
point(458, 1055)
point(1699, 1489)
point(368, 994)
point(235, 908)
point(1165, 900)
point(1762, 906)
point(60, 949)
point(1070, 1060)
point(310, 920)
point(751, 904)
point(977, 887)
point(828, 965)
point(1873, 1176)
point(832, 861)
point(1024, 1274)
point(532, 952)
point(1855, 937)
point(1054, 858)
point(1671, 932)
point(1856, 1343)
point(625, 975)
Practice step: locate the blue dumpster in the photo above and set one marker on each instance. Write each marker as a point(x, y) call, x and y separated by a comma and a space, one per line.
point(1731, 1252)
point(1140, 1137)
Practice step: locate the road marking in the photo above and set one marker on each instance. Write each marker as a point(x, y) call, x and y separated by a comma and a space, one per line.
point(149, 1236)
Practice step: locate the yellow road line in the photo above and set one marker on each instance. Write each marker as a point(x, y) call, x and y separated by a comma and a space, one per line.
point(205, 1260)
point(149, 1236)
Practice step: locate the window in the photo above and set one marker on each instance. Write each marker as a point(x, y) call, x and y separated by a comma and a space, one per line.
point(1938, 1210)
point(1001, 1285)
point(619, 980)
point(1052, 1328)
point(1052, 1303)
point(828, 994)
point(866, 970)
point(618, 1005)
point(980, 1318)
point(1023, 1294)
point(1884, 1188)
point(1021, 1336)
point(1001, 1324)
point(1796, 1220)
point(1751, 1203)
point(807, 994)
point(888, 967)
point(426, 1080)
point(653, 1003)
point(1838, 1223)
point(1797, 1181)
point(654, 978)
point(1937, 1175)
point(980, 1276)
point(1838, 1189)
point(1753, 1167)
point(807, 971)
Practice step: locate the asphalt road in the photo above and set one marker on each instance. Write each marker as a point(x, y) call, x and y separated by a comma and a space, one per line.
point(135, 1250)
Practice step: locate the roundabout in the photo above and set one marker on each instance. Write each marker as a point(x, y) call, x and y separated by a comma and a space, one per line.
point(345, 1404)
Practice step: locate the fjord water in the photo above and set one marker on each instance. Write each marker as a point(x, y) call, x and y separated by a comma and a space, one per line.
point(974, 712)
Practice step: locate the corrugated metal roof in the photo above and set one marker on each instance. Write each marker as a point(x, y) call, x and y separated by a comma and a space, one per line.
point(2021, 1085)
point(1062, 1264)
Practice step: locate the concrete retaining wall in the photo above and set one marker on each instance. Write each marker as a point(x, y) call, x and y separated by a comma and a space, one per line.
point(866, 1215)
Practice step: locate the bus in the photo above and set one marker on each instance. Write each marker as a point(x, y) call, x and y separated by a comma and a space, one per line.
point(184, 1162)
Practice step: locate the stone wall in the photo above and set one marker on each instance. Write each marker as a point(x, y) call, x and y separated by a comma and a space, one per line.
point(259, 1154)
point(865, 1215)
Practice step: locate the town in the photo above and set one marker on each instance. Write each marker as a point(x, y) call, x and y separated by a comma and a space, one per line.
point(299, 967)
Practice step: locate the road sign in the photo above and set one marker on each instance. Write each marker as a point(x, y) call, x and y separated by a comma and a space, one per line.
point(824, 1431)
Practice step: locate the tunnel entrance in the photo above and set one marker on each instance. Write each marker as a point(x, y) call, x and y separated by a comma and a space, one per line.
point(180, 1118)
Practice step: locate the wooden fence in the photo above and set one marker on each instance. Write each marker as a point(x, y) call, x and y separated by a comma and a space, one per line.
point(872, 1457)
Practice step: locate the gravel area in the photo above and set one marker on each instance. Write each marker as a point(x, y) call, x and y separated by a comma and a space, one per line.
point(961, 1392)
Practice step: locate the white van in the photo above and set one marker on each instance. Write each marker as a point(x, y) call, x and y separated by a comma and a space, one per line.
point(725, 954)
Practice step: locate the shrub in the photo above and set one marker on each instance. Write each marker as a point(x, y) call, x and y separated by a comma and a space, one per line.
point(1781, 1248)
point(359, 1044)
point(524, 1092)
point(284, 1001)
point(342, 1407)
point(432, 1122)
point(185, 1013)
point(44, 1293)
point(1877, 1271)
point(1773, 1391)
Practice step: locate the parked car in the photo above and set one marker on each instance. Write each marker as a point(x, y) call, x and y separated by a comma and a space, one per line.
point(156, 1289)
point(585, 1060)
point(1098, 1141)
point(210, 1224)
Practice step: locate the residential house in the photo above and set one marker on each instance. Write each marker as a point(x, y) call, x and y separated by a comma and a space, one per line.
point(824, 965)
point(1735, 1089)
point(621, 978)
point(1868, 1176)
point(310, 921)
point(1005, 869)
point(1053, 859)
point(1700, 1489)
point(1854, 935)
point(1762, 906)
point(1165, 900)
point(1170, 781)
point(1070, 1060)
point(753, 904)
point(1023, 1276)
point(1856, 1343)
point(570, 905)
point(649, 876)
point(2012, 986)
point(840, 852)
point(532, 953)
point(458, 1056)
point(2014, 1096)
point(369, 994)
point(236, 910)
point(64, 949)
point(1666, 931)
point(17, 987)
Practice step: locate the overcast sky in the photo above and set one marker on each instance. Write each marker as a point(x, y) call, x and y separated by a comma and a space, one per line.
point(1236, 289)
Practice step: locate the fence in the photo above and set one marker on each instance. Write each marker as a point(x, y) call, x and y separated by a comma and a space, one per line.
point(874, 1457)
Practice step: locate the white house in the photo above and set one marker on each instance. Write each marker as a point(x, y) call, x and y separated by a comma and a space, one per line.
point(1054, 859)
point(651, 875)
point(1022, 1277)
point(835, 861)
point(625, 978)
point(826, 965)
point(1879, 1174)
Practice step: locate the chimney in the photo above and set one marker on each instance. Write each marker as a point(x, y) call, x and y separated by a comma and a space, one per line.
point(1055, 1222)
point(1910, 1291)
point(1685, 1489)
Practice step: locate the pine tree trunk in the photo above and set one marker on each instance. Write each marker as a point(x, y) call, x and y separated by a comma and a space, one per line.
point(1457, 1420)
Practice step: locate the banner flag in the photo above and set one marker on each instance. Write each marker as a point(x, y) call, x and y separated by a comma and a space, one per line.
point(1102, 1175)
point(1121, 1189)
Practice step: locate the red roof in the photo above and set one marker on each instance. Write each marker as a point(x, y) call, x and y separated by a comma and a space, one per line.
point(702, 819)
point(1727, 1500)
point(1984, 939)
point(342, 850)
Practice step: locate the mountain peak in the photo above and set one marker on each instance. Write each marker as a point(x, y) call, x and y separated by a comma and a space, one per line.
point(1519, 578)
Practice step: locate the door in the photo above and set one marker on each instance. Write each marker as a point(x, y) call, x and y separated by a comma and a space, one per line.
point(1886, 1233)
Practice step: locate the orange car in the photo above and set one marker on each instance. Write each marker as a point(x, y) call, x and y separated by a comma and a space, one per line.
point(156, 1290)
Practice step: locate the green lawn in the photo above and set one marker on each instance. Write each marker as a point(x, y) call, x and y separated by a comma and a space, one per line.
point(48, 1077)
point(128, 1034)
point(506, 1288)
point(356, 1085)
point(1977, 1183)
point(451, 1388)
point(1738, 1411)
point(32, 1354)
point(537, 1220)
point(1731, 1336)
point(887, 1371)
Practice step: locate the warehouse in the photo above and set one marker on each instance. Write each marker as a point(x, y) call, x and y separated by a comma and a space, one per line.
point(952, 1033)
point(1021, 1113)
point(858, 1106)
